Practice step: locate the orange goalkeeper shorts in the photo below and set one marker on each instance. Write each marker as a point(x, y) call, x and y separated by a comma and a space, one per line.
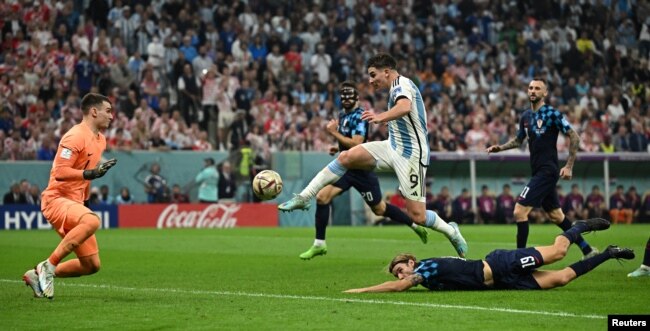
point(65, 214)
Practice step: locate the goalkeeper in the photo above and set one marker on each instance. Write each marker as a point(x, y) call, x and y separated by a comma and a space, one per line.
point(501, 269)
point(77, 162)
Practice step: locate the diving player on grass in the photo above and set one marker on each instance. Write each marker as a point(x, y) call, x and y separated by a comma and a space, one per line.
point(406, 152)
point(501, 269)
point(541, 124)
point(350, 130)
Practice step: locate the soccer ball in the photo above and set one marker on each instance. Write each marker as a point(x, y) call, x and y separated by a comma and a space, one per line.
point(267, 185)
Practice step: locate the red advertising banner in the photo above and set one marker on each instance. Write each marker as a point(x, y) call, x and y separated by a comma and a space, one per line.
point(195, 215)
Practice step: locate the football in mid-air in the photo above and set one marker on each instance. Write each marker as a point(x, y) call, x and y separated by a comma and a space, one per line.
point(267, 185)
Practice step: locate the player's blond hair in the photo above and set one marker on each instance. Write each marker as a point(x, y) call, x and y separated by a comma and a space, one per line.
point(401, 258)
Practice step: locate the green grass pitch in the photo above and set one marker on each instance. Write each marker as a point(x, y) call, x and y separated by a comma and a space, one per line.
point(252, 279)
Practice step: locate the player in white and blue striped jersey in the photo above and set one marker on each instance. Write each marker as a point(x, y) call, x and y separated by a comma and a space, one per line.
point(406, 152)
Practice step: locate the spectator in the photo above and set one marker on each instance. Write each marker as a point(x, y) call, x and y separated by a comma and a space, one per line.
point(156, 186)
point(619, 209)
point(644, 213)
point(634, 201)
point(462, 208)
point(14, 196)
point(178, 196)
point(208, 179)
point(487, 206)
point(505, 206)
point(124, 198)
point(104, 197)
point(574, 204)
point(227, 187)
point(443, 203)
point(595, 203)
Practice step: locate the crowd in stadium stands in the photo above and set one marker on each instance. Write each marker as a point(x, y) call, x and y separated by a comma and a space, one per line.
point(209, 75)
point(261, 76)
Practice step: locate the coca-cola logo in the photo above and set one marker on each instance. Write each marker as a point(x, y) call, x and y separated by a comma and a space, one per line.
point(212, 216)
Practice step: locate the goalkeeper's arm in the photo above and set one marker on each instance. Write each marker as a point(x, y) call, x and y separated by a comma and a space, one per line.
point(100, 170)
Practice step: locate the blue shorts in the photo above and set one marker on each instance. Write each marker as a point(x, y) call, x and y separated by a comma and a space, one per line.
point(366, 182)
point(513, 269)
point(540, 192)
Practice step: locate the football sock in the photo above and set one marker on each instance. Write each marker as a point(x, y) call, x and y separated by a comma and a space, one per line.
point(322, 218)
point(397, 215)
point(319, 242)
point(70, 268)
point(328, 175)
point(580, 241)
point(582, 267)
point(646, 256)
point(574, 232)
point(435, 222)
point(522, 234)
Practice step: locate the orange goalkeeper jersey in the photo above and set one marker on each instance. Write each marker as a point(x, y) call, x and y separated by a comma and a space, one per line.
point(80, 149)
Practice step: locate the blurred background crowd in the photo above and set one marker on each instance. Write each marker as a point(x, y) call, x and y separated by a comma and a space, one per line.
point(211, 75)
point(253, 77)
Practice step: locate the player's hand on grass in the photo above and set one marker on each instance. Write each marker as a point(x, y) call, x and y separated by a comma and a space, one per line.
point(566, 173)
point(100, 170)
point(493, 149)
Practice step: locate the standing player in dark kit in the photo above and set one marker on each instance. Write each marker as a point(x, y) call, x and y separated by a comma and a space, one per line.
point(350, 130)
point(501, 269)
point(541, 125)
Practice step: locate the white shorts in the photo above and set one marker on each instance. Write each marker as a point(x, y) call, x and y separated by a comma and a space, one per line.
point(410, 172)
point(226, 118)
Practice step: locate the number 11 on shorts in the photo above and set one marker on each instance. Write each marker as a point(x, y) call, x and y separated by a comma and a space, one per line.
point(524, 192)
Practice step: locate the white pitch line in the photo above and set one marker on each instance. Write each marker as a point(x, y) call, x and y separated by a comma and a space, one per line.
point(315, 298)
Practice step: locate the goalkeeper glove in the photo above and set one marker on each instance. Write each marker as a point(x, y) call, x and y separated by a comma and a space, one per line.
point(100, 171)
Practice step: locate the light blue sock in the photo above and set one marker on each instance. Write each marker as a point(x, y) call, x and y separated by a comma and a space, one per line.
point(436, 223)
point(328, 175)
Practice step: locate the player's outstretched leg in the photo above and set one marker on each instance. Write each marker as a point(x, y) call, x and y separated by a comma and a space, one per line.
point(611, 252)
point(587, 250)
point(330, 174)
point(644, 269)
point(31, 279)
point(450, 230)
point(297, 202)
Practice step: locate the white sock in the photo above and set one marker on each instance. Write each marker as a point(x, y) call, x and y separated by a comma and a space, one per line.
point(414, 225)
point(328, 175)
point(435, 222)
point(319, 242)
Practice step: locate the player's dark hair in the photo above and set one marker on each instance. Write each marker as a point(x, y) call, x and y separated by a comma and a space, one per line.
point(382, 61)
point(401, 258)
point(92, 100)
point(347, 83)
point(540, 79)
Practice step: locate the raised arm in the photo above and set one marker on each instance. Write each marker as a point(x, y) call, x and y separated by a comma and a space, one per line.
point(332, 129)
point(391, 286)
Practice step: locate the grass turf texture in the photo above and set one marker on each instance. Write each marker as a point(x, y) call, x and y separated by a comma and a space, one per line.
point(253, 279)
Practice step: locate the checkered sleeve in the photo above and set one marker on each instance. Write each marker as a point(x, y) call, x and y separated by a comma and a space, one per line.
point(560, 121)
